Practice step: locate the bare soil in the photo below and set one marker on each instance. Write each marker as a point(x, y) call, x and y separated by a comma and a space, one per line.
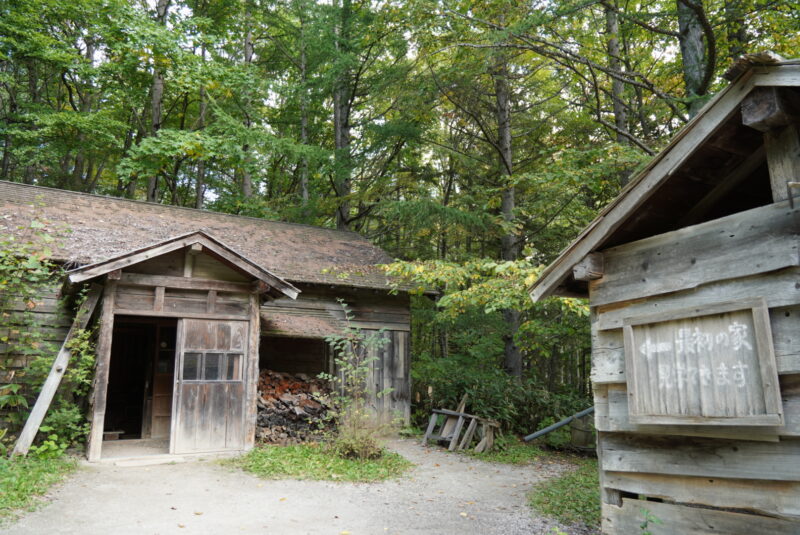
point(444, 494)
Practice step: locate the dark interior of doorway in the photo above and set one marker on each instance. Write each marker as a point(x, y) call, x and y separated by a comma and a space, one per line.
point(140, 383)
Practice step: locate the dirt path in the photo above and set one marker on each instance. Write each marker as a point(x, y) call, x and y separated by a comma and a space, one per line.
point(444, 494)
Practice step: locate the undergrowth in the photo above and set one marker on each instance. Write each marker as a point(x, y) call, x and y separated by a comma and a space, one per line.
point(23, 479)
point(315, 461)
point(571, 498)
point(510, 451)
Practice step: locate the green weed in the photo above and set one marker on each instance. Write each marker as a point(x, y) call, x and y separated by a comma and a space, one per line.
point(314, 461)
point(571, 498)
point(510, 451)
point(22, 479)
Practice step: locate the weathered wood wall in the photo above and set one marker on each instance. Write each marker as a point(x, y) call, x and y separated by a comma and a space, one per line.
point(50, 326)
point(725, 473)
point(370, 311)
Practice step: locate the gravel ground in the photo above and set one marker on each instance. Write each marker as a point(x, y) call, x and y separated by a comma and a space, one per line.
point(444, 494)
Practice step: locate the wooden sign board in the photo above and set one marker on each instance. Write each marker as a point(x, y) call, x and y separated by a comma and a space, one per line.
point(710, 365)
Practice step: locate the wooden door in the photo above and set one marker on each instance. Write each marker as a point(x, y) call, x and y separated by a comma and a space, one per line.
point(208, 413)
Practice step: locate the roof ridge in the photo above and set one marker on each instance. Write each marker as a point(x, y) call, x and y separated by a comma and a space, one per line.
point(168, 207)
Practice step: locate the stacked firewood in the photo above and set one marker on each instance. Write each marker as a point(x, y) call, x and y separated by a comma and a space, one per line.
point(291, 407)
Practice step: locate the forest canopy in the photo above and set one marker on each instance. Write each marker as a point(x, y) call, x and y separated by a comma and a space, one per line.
point(471, 140)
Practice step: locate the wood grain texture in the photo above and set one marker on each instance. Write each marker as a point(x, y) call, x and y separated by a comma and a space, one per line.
point(674, 519)
point(608, 361)
point(766, 497)
point(210, 410)
point(57, 371)
point(777, 461)
point(705, 365)
point(100, 390)
point(746, 243)
point(779, 289)
point(611, 415)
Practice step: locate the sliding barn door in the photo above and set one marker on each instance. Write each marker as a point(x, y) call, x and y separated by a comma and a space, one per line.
point(210, 386)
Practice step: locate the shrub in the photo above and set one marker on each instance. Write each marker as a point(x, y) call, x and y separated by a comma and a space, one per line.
point(357, 432)
point(521, 407)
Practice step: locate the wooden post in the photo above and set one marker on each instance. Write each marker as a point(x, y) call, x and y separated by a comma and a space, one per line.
point(104, 340)
point(251, 388)
point(783, 159)
point(775, 111)
point(53, 380)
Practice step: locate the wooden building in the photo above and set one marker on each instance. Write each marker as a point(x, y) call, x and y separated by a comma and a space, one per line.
point(693, 279)
point(195, 303)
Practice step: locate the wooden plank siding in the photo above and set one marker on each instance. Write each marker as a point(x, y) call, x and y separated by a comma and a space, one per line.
point(43, 312)
point(369, 309)
point(674, 519)
point(737, 479)
point(747, 243)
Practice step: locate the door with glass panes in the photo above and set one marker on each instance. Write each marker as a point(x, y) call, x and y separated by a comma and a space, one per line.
point(208, 413)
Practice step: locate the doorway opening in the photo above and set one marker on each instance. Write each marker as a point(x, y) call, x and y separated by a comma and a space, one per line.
point(140, 387)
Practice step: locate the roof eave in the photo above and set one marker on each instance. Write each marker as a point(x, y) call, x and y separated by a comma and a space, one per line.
point(660, 168)
point(130, 258)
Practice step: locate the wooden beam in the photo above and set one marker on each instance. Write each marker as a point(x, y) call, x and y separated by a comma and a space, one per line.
point(158, 302)
point(104, 340)
point(211, 301)
point(251, 387)
point(188, 262)
point(179, 314)
point(726, 185)
point(57, 371)
point(768, 108)
point(137, 279)
point(214, 248)
point(783, 158)
point(590, 268)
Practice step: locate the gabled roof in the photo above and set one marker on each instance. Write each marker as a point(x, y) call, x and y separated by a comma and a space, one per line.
point(208, 244)
point(93, 228)
point(685, 183)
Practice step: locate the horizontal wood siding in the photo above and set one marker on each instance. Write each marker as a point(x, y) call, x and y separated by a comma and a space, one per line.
point(712, 478)
point(673, 519)
point(51, 326)
point(369, 309)
point(756, 241)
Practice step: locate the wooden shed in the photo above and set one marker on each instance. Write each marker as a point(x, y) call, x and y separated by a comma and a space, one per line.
point(693, 279)
point(195, 303)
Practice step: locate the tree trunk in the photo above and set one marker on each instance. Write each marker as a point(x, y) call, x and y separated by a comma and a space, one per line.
point(690, 38)
point(200, 179)
point(303, 118)
point(617, 86)
point(247, 179)
point(341, 123)
point(736, 29)
point(512, 361)
point(156, 98)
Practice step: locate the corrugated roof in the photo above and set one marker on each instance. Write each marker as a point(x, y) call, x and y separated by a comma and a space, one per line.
point(94, 228)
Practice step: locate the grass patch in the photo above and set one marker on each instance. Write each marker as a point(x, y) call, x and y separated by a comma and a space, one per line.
point(517, 453)
point(312, 461)
point(23, 479)
point(571, 498)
